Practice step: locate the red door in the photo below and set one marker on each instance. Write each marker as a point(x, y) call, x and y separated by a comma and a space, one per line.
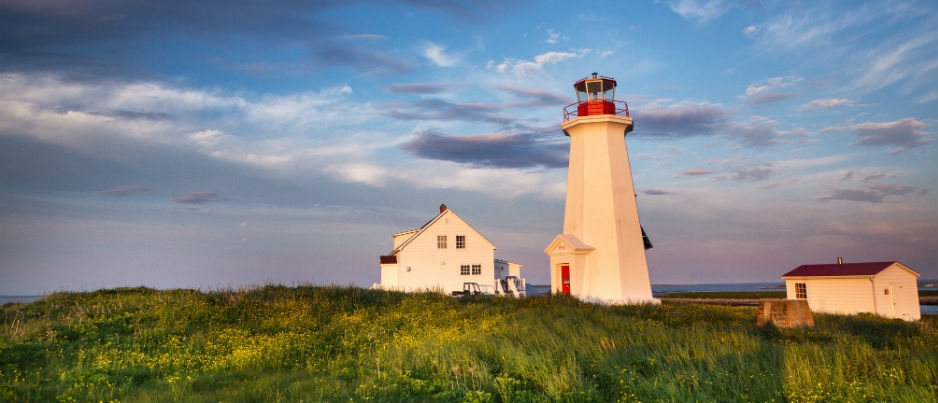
point(565, 278)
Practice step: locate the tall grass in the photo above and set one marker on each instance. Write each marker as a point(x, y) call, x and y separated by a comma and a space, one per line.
point(335, 344)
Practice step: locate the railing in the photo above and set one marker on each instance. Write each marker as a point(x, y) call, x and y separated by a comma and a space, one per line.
point(572, 111)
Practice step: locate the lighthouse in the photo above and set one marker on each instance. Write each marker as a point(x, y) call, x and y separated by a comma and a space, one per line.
point(600, 255)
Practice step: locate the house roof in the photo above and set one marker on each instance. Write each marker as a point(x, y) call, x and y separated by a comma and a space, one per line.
point(843, 270)
point(417, 232)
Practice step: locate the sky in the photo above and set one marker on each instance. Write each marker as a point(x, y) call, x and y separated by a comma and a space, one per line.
point(228, 144)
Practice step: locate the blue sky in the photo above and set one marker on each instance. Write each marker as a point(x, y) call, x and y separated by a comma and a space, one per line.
point(227, 144)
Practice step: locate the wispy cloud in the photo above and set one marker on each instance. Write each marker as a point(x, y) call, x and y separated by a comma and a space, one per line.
point(698, 172)
point(197, 198)
point(539, 95)
point(416, 88)
point(124, 191)
point(700, 11)
point(827, 104)
point(876, 192)
point(892, 63)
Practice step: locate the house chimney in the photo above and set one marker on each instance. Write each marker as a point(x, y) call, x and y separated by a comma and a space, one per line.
point(840, 260)
point(442, 208)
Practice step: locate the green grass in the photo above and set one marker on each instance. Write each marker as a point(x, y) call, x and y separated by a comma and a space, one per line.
point(726, 294)
point(331, 344)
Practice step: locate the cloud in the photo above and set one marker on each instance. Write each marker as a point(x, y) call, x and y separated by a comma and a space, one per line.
point(903, 134)
point(760, 92)
point(656, 192)
point(525, 68)
point(437, 55)
point(489, 150)
point(771, 84)
point(124, 191)
point(197, 198)
point(360, 59)
point(539, 95)
point(369, 174)
point(681, 120)
point(827, 104)
point(876, 192)
point(752, 173)
point(758, 132)
point(771, 98)
point(751, 31)
point(553, 38)
point(697, 172)
point(416, 88)
point(700, 11)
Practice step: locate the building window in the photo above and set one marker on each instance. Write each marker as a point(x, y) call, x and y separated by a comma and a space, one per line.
point(801, 291)
point(441, 241)
point(460, 242)
point(464, 270)
point(476, 269)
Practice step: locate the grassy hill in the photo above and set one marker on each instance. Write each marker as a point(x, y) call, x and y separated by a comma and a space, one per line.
point(334, 344)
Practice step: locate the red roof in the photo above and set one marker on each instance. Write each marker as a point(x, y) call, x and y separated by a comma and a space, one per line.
point(835, 270)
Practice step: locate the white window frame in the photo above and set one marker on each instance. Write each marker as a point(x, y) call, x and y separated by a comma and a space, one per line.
point(460, 242)
point(441, 241)
point(801, 291)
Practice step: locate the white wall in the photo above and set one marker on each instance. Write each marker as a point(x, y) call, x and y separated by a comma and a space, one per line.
point(902, 300)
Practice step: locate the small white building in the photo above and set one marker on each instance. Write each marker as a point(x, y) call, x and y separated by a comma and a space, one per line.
point(887, 289)
point(443, 255)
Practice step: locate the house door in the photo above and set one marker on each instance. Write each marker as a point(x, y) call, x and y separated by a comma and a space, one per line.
point(565, 278)
point(893, 287)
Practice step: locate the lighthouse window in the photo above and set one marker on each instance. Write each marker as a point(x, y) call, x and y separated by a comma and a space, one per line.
point(460, 241)
point(801, 291)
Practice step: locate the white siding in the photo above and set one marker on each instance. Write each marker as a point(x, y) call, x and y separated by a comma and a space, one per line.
point(437, 269)
point(838, 295)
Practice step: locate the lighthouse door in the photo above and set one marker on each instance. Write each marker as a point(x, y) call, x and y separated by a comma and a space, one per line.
point(565, 278)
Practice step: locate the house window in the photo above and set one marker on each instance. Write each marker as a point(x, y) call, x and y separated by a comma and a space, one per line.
point(464, 270)
point(801, 291)
point(441, 241)
point(460, 241)
point(476, 269)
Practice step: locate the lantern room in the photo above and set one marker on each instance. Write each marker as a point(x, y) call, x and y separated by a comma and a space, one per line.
point(595, 96)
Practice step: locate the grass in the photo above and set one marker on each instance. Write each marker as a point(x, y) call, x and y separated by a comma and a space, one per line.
point(334, 344)
point(726, 294)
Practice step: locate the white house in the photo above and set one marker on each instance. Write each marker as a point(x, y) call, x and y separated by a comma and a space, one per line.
point(887, 289)
point(443, 255)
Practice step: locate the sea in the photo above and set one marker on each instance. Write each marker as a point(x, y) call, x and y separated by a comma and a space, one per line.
point(655, 289)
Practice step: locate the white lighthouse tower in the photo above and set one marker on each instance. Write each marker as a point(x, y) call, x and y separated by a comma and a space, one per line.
point(600, 256)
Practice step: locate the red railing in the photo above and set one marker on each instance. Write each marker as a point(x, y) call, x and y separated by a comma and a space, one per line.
point(573, 110)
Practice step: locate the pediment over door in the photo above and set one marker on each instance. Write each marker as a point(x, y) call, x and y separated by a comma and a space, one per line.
point(568, 244)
